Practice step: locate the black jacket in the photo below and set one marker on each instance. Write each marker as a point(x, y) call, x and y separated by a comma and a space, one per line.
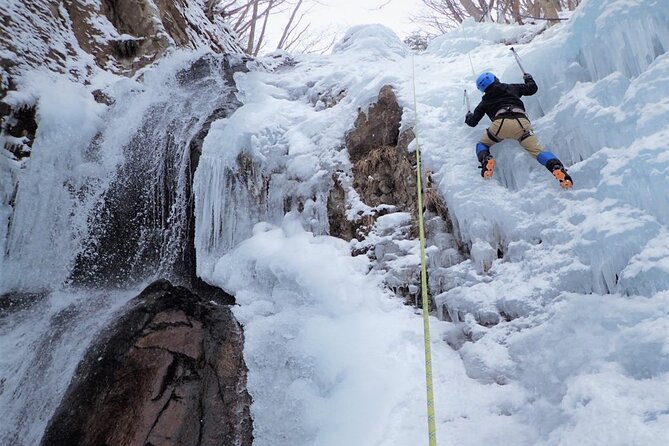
point(498, 96)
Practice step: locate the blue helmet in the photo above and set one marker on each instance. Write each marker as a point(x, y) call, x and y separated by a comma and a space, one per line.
point(484, 80)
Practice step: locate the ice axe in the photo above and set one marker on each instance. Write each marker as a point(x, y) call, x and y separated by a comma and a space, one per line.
point(465, 100)
point(471, 64)
point(518, 60)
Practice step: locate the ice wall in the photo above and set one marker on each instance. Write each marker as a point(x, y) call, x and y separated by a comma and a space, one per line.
point(279, 152)
point(8, 171)
point(612, 67)
point(600, 109)
point(253, 179)
point(574, 298)
point(57, 188)
point(106, 191)
point(144, 221)
point(590, 71)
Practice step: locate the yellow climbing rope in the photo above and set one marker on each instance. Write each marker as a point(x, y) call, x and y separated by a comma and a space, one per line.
point(432, 430)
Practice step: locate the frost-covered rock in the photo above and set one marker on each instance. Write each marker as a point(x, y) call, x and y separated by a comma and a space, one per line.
point(378, 126)
point(77, 36)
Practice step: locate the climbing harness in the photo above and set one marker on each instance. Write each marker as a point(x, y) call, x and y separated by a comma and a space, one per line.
point(510, 110)
point(526, 132)
point(492, 135)
point(432, 430)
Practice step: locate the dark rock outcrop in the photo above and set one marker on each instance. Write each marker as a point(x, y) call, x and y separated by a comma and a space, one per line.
point(383, 170)
point(383, 176)
point(380, 126)
point(386, 176)
point(340, 225)
point(20, 126)
point(170, 371)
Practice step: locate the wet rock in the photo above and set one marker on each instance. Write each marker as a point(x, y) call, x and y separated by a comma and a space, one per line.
point(14, 302)
point(169, 371)
point(340, 226)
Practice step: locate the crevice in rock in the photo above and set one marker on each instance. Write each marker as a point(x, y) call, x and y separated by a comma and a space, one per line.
point(167, 379)
point(155, 422)
point(127, 48)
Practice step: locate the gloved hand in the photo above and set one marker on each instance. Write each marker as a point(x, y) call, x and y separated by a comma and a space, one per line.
point(527, 77)
point(468, 117)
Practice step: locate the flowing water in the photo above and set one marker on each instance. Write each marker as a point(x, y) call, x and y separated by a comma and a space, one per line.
point(103, 207)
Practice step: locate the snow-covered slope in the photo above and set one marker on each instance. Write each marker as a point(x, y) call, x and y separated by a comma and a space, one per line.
point(579, 281)
point(76, 37)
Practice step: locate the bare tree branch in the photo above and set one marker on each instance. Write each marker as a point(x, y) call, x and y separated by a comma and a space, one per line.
point(445, 14)
point(264, 28)
point(286, 30)
point(252, 32)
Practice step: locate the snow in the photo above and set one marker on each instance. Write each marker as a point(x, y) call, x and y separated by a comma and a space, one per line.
point(560, 341)
point(471, 35)
point(376, 42)
point(551, 323)
point(339, 354)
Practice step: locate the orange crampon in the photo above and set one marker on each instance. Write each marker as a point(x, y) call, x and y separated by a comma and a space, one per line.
point(488, 167)
point(563, 178)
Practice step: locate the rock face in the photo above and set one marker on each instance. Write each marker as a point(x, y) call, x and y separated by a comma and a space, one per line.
point(380, 126)
point(168, 372)
point(77, 38)
point(116, 35)
point(383, 169)
point(384, 178)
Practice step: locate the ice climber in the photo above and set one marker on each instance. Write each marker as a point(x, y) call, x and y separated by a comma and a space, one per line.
point(501, 102)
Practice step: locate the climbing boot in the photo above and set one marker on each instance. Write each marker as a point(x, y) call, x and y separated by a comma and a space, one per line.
point(487, 164)
point(560, 174)
point(487, 167)
point(563, 177)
